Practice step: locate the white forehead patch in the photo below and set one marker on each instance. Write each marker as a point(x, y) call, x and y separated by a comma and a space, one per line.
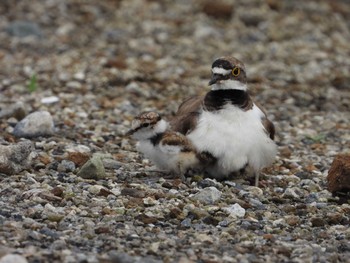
point(221, 71)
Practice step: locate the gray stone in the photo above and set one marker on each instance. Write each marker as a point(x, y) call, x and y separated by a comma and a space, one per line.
point(111, 164)
point(209, 195)
point(24, 29)
point(13, 258)
point(235, 210)
point(93, 169)
point(39, 123)
point(15, 158)
point(66, 166)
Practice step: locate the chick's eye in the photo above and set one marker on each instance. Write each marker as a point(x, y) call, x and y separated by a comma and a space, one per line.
point(236, 71)
point(145, 125)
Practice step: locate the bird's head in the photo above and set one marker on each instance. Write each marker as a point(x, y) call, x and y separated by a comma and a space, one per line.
point(228, 73)
point(146, 125)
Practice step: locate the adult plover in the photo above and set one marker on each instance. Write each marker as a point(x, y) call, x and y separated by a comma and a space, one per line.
point(168, 150)
point(227, 124)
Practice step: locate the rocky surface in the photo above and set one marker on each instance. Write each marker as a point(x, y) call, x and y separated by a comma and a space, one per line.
point(93, 65)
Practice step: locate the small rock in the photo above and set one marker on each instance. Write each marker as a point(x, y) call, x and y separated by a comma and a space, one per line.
point(317, 221)
point(291, 193)
point(95, 189)
point(24, 29)
point(218, 9)
point(235, 211)
point(50, 100)
point(186, 223)
point(133, 192)
point(93, 169)
point(255, 191)
point(15, 158)
point(57, 191)
point(149, 201)
point(36, 124)
point(146, 219)
point(204, 238)
point(197, 213)
point(209, 195)
point(121, 257)
point(111, 164)
point(252, 18)
point(66, 166)
point(53, 214)
point(78, 158)
point(16, 110)
point(102, 230)
point(292, 220)
point(339, 174)
point(207, 182)
point(13, 258)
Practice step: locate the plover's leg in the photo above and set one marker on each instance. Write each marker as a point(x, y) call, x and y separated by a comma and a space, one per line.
point(257, 174)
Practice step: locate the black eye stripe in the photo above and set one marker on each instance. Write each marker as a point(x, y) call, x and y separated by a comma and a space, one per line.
point(222, 64)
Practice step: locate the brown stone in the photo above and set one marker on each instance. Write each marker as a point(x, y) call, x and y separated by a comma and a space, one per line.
point(102, 230)
point(78, 158)
point(317, 222)
point(339, 174)
point(57, 191)
point(218, 9)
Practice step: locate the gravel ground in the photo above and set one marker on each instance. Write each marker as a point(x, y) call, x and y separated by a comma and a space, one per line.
point(93, 65)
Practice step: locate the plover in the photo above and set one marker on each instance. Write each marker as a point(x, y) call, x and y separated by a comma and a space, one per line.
point(227, 124)
point(168, 150)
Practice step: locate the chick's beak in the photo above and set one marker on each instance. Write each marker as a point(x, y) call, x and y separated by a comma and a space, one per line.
point(214, 78)
point(135, 124)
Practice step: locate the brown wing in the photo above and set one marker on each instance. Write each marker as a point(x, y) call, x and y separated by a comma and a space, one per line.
point(187, 115)
point(177, 139)
point(268, 125)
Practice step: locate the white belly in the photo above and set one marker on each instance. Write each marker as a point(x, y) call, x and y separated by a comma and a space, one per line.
point(164, 157)
point(235, 137)
point(152, 153)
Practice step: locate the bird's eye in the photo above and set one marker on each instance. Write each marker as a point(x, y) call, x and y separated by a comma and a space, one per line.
point(236, 71)
point(145, 125)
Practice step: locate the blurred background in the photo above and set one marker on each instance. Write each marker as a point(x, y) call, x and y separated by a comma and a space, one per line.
point(106, 61)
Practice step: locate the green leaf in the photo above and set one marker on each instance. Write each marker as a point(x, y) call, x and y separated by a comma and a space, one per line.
point(33, 85)
point(317, 138)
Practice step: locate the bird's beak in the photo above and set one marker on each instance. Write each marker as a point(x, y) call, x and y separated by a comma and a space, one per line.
point(134, 127)
point(214, 78)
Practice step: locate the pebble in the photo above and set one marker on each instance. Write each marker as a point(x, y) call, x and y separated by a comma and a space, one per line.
point(50, 100)
point(209, 195)
point(15, 158)
point(24, 29)
point(292, 193)
point(66, 166)
point(39, 123)
point(339, 174)
point(13, 258)
point(235, 211)
point(93, 169)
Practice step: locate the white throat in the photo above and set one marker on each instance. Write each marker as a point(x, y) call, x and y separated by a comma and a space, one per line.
point(161, 126)
point(229, 84)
